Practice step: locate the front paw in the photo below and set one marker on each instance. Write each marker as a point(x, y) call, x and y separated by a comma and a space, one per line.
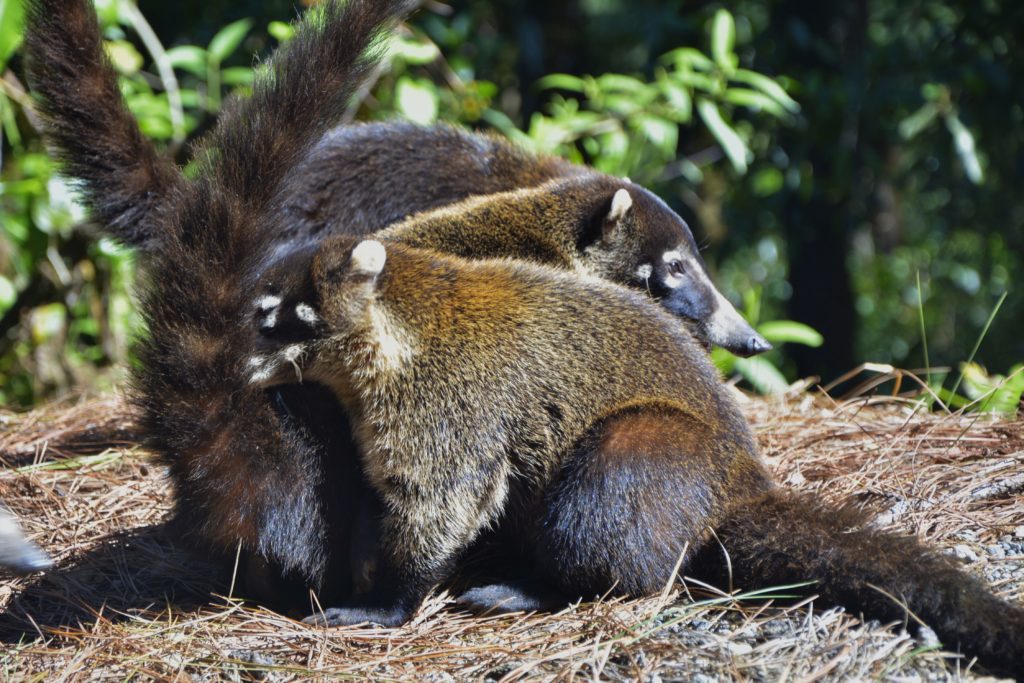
point(283, 366)
point(350, 616)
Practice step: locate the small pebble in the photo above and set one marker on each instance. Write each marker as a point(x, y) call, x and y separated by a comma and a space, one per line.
point(996, 551)
point(964, 552)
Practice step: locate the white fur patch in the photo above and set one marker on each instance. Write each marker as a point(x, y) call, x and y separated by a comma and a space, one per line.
point(306, 314)
point(644, 272)
point(674, 255)
point(622, 202)
point(268, 302)
point(368, 257)
point(394, 349)
point(270, 320)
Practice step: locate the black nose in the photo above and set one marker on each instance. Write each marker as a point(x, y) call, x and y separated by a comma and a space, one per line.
point(755, 345)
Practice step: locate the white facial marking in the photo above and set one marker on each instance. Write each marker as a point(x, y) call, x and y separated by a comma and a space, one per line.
point(368, 257)
point(690, 265)
point(268, 302)
point(644, 272)
point(622, 202)
point(270, 320)
point(306, 314)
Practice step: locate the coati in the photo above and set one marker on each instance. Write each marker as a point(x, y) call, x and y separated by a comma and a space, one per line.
point(17, 554)
point(361, 178)
point(575, 416)
point(353, 180)
point(250, 468)
point(208, 425)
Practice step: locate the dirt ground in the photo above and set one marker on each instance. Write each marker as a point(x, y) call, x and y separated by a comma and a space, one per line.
point(124, 603)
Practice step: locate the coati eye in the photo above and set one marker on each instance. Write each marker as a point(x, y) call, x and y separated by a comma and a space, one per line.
point(675, 267)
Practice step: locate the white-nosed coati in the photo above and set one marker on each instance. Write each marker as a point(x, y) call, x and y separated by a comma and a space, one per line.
point(272, 155)
point(17, 554)
point(622, 443)
point(580, 421)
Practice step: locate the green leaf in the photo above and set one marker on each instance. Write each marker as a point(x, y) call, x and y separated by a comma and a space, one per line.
point(281, 31)
point(227, 40)
point(8, 294)
point(678, 99)
point(417, 99)
point(790, 332)
point(414, 52)
point(687, 58)
point(768, 86)
point(762, 375)
point(189, 58)
point(912, 126)
point(965, 148)
point(735, 149)
point(768, 181)
point(661, 133)
point(123, 55)
point(12, 21)
point(754, 100)
point(621, 83)
point(723, 39)
point(238, 75)
point(561, 82)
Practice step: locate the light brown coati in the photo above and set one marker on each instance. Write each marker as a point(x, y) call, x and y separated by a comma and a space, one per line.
point(578, 418)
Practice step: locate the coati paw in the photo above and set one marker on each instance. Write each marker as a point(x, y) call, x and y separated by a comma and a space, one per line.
point(283, 366)
point(350, 616)
point(503, 598)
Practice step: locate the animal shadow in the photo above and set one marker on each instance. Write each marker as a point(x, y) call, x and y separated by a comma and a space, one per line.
point(129, 573)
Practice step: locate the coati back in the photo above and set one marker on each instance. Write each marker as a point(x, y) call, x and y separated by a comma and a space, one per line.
point(578, 418)
point(362, 178)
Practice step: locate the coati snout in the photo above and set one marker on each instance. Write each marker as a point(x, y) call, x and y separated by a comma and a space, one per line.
point(668, 265)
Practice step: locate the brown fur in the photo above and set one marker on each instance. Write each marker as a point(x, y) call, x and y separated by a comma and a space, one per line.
point(578, 422)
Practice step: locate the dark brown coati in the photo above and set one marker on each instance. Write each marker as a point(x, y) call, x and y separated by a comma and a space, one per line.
point(17, 554)
point(250, 468)
point(577, 417)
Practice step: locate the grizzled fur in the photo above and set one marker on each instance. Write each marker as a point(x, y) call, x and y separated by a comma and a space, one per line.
point(249, 466)
point(580, 422)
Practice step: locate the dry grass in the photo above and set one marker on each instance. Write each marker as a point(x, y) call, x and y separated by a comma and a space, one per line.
point(124, 603)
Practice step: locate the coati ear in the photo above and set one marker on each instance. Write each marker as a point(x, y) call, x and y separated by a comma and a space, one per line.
point(622, 202)
point(368, 258)
point(607, 219)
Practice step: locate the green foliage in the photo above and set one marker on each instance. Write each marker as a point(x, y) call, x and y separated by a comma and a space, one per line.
point(65, 313)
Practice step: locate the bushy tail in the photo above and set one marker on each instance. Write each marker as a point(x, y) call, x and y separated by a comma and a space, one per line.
point(242, 468)
point(783, 538)
point(127, 183)
point(302, 92)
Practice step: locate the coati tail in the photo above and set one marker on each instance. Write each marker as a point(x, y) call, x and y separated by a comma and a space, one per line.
point(127, 183)
point(783, 538)
point(303, 92)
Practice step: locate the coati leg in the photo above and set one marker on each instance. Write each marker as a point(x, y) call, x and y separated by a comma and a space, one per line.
point(637, 493)
point(781, 537)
